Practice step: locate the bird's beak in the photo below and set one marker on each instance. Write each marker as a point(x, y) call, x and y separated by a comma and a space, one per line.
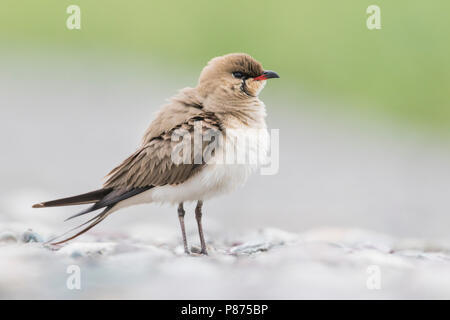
point(267, 75)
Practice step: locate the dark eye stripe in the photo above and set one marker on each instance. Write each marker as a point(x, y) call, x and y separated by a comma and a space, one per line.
point(239, 75)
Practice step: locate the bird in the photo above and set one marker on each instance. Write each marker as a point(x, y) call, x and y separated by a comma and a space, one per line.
point(223, 108)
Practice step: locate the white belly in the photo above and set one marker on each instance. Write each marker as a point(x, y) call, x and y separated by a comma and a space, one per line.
point(211, 181)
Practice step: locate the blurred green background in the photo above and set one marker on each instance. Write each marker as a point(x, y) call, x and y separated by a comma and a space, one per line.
point(401, 72)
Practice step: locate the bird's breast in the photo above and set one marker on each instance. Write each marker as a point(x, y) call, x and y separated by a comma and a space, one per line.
point(239, 155)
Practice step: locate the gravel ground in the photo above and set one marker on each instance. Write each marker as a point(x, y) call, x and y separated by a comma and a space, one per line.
point(265, 264)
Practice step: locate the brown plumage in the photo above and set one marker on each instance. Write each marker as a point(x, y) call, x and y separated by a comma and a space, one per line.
point(152, 165)
point(85, 198)
point(226, 97)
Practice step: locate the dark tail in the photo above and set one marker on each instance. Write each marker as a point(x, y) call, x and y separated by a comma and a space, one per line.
point(102, 198)
point(94, 221)
point(85, 198)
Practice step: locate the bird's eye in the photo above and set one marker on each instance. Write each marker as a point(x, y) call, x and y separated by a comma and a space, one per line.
point(238, 75)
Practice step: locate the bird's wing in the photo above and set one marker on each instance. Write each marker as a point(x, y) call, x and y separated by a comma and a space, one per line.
point(153, 163)
point(152, 166)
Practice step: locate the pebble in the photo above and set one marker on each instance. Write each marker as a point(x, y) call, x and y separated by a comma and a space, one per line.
point(31, 236)
point(7, 236)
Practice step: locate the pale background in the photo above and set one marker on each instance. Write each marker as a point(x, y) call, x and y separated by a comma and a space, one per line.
point(363, 118)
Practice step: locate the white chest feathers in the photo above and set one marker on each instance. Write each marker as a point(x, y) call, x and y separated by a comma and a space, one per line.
point(239, 155)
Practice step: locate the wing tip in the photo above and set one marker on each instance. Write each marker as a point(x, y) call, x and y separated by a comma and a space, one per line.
point(38, 205)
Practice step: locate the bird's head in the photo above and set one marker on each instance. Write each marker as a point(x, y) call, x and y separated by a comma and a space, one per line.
point(235, 75)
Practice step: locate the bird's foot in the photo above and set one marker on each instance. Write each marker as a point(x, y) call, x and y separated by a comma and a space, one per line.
point(198, 250)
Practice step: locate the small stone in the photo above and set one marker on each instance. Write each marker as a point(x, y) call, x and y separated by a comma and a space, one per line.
point(8, 236)
point(31, 236)
point(196, 249)
point(251, 247)
point(76, 254)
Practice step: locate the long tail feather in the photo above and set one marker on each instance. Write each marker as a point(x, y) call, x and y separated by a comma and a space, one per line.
point(110, 200)
point(85, 198)
point(69, 231)
point(105, 198)
point(95, 220)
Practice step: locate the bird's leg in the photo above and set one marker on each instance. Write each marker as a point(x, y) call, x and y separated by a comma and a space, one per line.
point(198, 217)
point(181, 213)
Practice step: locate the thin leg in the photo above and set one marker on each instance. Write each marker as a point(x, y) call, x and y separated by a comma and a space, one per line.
point(181, 213)
point(198, 217)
